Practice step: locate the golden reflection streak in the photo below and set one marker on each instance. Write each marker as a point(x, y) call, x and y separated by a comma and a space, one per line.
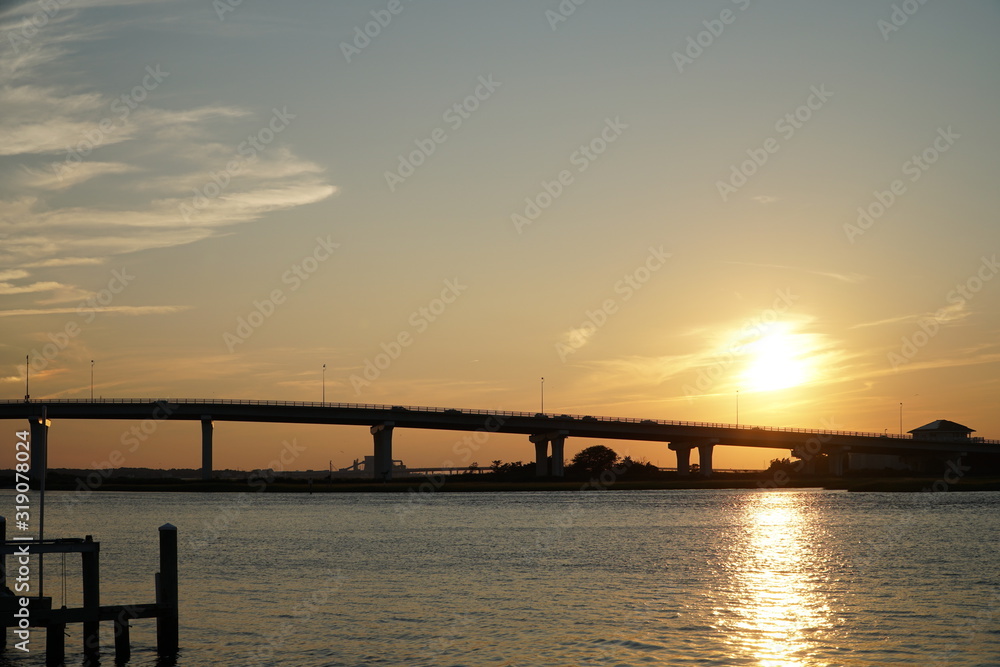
point(779, 606)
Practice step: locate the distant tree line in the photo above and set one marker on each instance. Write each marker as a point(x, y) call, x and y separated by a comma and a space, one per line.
point(587, 463)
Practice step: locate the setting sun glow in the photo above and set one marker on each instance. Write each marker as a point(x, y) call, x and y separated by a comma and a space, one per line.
point(778, 360)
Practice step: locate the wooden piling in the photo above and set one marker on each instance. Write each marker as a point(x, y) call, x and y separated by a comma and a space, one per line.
point(3, 576)
point(3, 557)
point(123, 648)
point(92, 614)
point(91, 600)
point(167, 623)
point(55, 645)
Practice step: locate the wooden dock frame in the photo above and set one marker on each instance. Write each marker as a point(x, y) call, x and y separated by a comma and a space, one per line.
point(164, 610)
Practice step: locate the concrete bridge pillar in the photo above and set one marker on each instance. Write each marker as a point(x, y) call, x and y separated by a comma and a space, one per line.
point(541, 454)
point(839, 461)
point(558, 446)
point(683, 450)
point(683, 458)
point(541, 442)
point(705, 459)
point(206, 447)
point(383, 450)
point(39, 428)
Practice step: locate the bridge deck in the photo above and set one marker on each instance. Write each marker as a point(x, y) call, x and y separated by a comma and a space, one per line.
point(501, 421)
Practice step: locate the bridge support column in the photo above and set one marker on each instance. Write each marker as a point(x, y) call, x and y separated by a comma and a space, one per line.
point(705, 459)
point(541, 441)
point(558, 447)
point(39, 427)
point(541, 455)
point(206, 447)
point(383, 451)
point(838, 458)
point(683, 459)
point(683, 450)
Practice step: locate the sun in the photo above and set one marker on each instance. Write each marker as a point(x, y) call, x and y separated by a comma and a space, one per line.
point(777, 360)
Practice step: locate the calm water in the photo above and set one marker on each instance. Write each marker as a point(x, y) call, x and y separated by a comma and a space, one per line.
point(768, 578)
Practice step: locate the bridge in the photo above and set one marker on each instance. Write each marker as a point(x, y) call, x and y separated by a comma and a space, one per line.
point(546, 431)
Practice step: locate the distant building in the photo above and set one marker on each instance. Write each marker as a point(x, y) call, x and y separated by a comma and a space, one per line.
point(366, 469)
point(942, 430)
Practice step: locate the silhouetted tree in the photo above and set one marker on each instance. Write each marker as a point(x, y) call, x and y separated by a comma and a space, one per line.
point(819, 463)
point(781, 464)
point(637, 468)
point(595, 460)
point(515, 468)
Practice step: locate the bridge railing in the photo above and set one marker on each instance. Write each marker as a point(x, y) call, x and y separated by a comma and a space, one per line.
point(478, 412)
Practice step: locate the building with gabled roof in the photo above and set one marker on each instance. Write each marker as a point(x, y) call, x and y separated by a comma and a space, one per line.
point(942, 430)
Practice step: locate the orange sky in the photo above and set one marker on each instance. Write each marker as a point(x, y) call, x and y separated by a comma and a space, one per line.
point(801, 208)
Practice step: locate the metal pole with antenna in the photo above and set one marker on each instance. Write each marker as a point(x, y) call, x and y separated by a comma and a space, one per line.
point(543, 395)
point(900, 419)
point(44, 467)
point(27, 372)
point(91, 379)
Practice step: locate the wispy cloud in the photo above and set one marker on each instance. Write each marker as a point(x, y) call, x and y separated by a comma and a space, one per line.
point(645, 370)
point(141, 162)
point(45, 119)
point(52, 178)
point(885, 321)
point(851, 278)
point(7, 288)
point(976, 356)
point(12, 274)
point(950, 314)
point(116, 310)
point(64, 261)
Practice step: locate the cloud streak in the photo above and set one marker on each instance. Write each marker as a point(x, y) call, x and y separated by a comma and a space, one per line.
point(7, 288)
point(115, 310)
point(851, 278)
point(140, 161)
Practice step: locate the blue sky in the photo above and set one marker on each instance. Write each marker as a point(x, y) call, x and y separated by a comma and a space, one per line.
point(170, 170)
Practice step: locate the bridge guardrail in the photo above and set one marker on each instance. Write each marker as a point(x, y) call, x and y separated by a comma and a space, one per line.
point(477, 412)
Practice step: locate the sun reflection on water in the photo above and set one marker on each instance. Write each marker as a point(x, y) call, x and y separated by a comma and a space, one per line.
point(777, 610)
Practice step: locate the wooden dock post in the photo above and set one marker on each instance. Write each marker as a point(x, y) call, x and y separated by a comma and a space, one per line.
point(91, 600)
point(123, 648)
point(92, 614)
point(55, 645)
point(167, 630)
point(3, 575)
